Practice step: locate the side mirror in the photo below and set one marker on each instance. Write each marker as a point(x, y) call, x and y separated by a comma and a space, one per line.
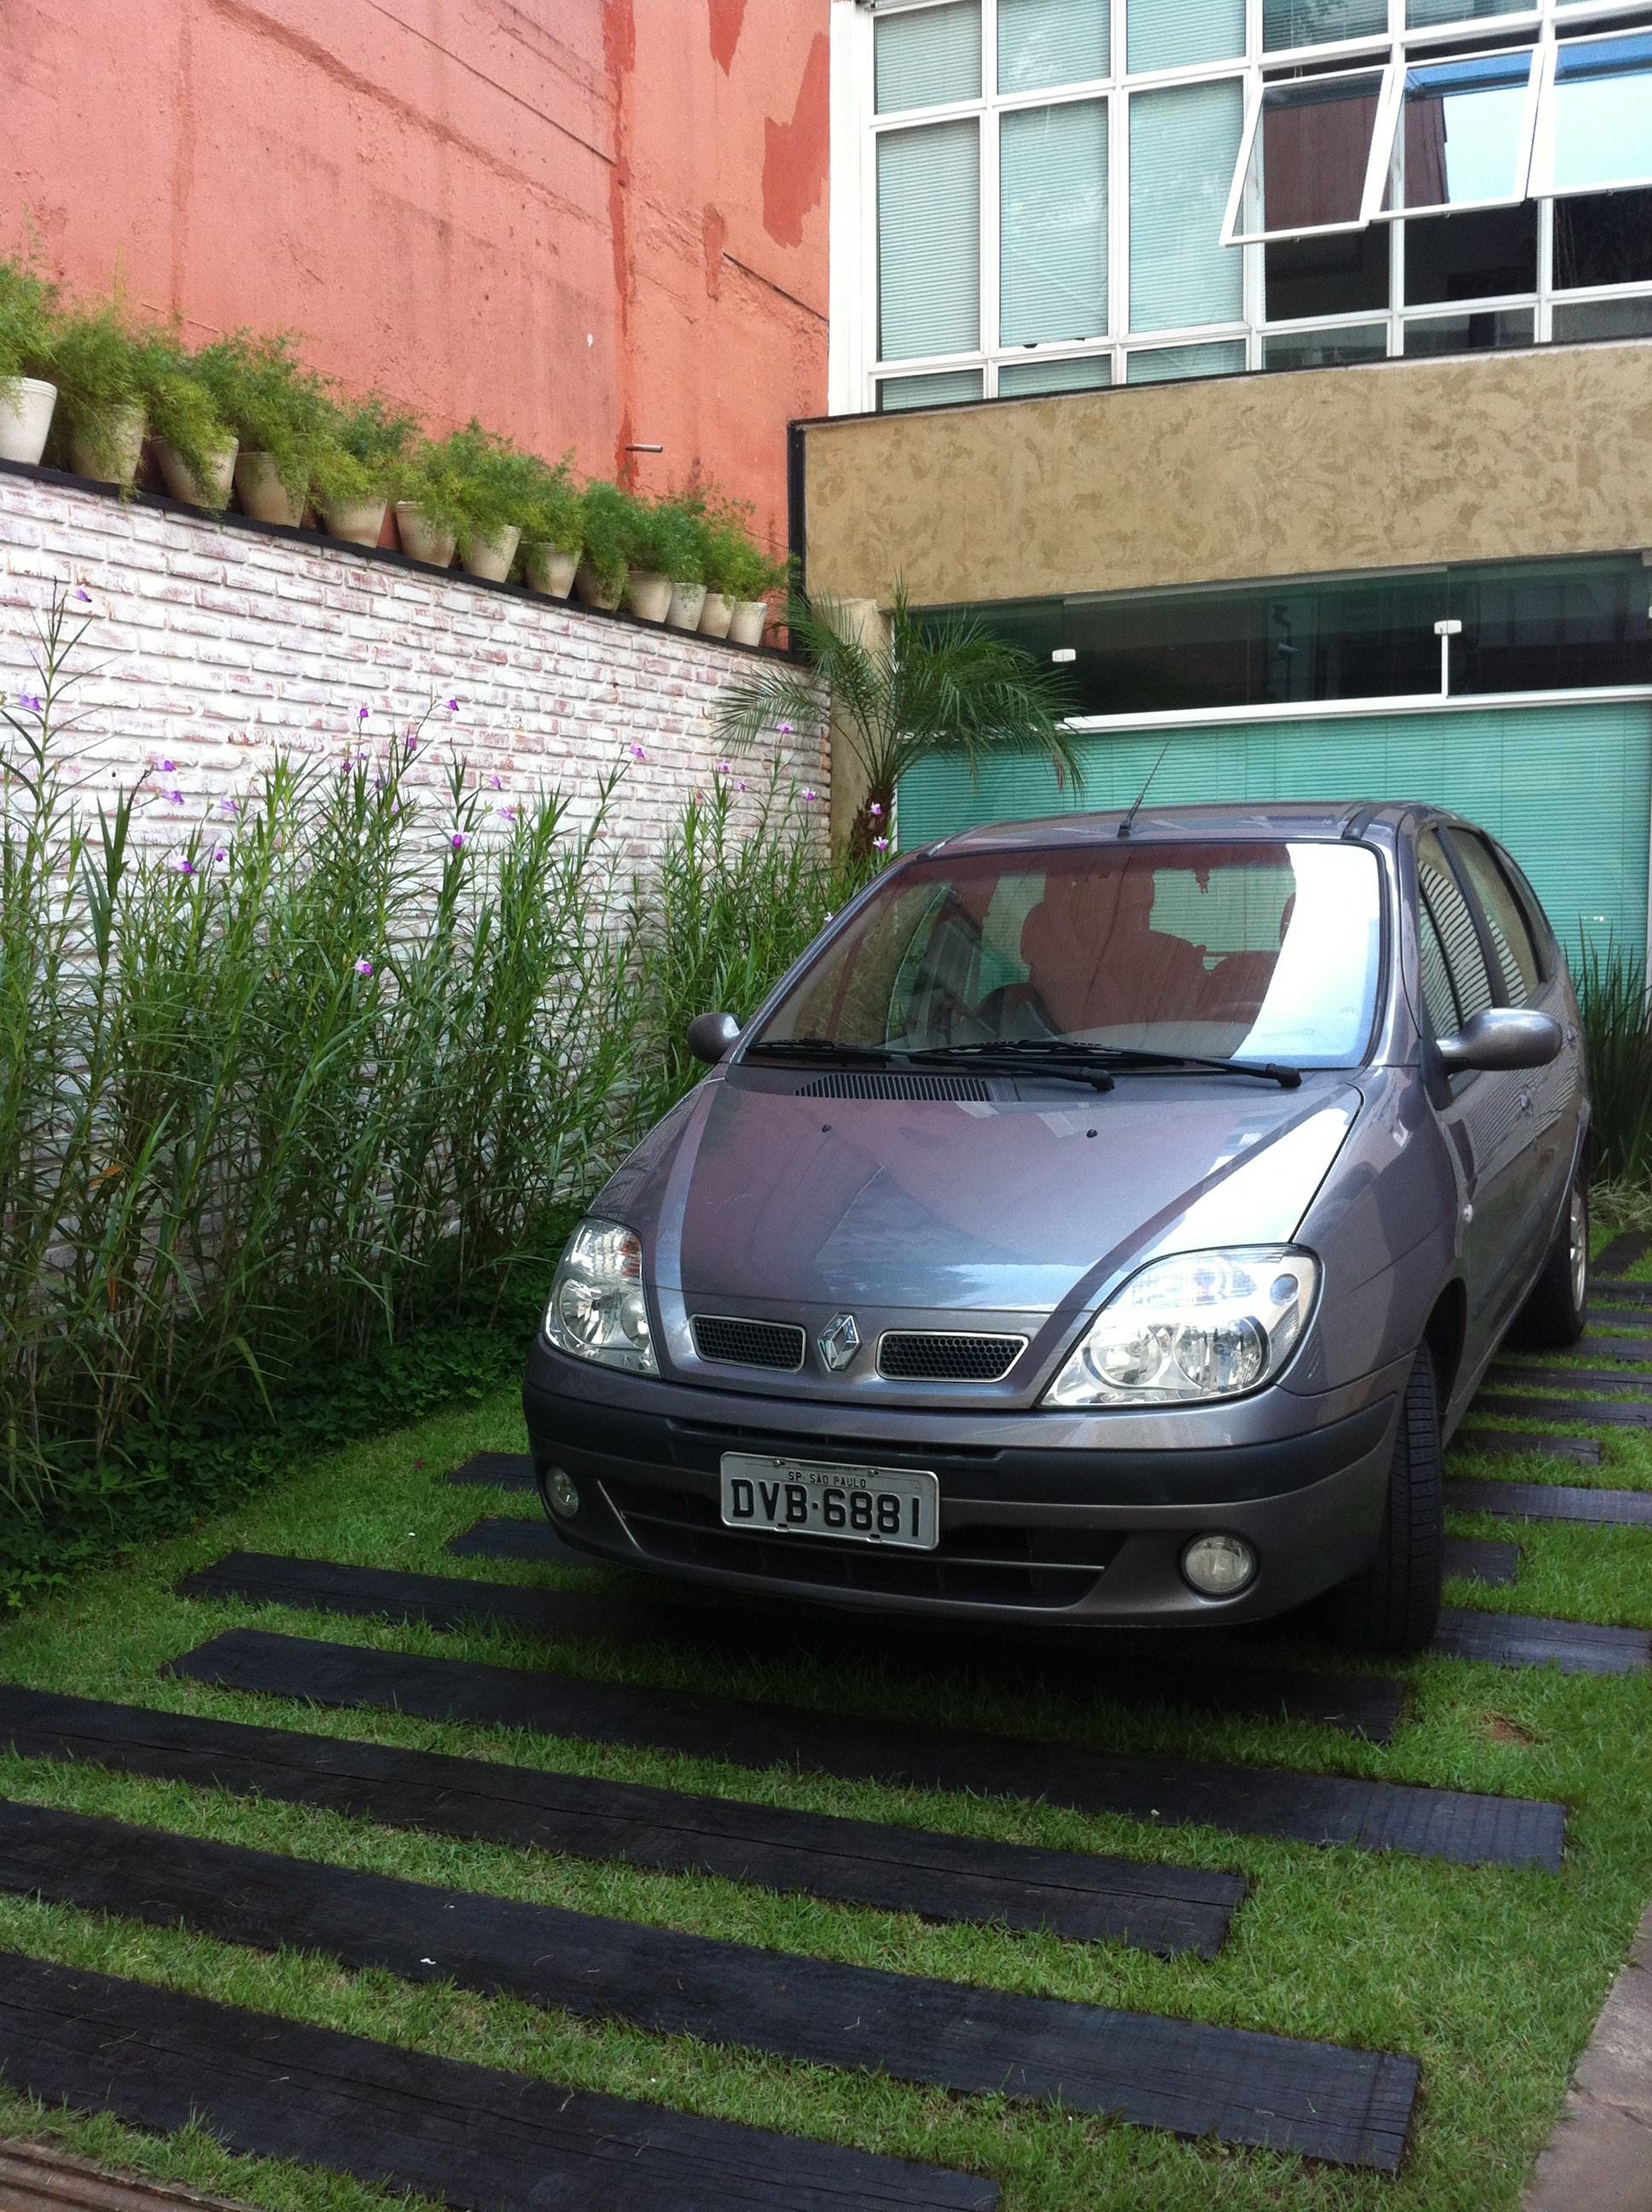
point(710, 1035)
point(1502, 1036)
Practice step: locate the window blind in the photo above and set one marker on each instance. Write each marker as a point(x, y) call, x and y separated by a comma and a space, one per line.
point(1183, 144)
point(927, 55)
point(1041, 42)
point(1419, 14)
point(1312, 23)
point(1169, 364)
point(1017, 379)
point(897, 393)
point(1052, 223)
point(1158, 36)
point(929, 241)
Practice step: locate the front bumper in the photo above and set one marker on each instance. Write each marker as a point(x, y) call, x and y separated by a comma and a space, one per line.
point(1030, 1529)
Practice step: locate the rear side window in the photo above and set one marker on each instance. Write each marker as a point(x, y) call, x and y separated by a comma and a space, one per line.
point(1447, 910)
point(1516, 957)
point(1436, 980)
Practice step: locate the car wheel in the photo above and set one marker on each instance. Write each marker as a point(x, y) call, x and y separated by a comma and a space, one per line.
point(1554, 1313)
point(1395, 1604)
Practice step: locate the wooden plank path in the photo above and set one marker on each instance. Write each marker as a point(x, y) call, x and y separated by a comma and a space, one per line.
point(473, 2136)
point(1476, 1559)
point(1585, 1381)
point(1349, 2107)
point(1368, 1703)
point(1595, 1412)
point(895, 1870)
point(1551, 1501)
point(1477, 1444)
point(1454, 1825)
point(1507, 1639)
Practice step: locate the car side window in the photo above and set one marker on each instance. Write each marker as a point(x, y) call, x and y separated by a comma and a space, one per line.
point(1441, 1007)
point(1444, 905)
point(1500, 909)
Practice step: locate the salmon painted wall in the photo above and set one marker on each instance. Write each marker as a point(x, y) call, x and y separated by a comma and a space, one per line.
point(593, 224)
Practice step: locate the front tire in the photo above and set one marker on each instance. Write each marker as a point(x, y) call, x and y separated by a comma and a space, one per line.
point(1554, 1313)
point(1393, 1605)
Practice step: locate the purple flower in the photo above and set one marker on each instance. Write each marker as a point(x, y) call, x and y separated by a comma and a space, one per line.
point(495, 784)
point(26, 699)
point(361, 714)
point(453, 706)
point(725, 767)
point(176, 797)
point(739, 787)
point(785, 729)
point(165, 767)
point(809, 797)
point(874, 808)
point(411, 741)
point(184, 867)
point(229, 806)
point(364, 968)
point(507, 814)
point(457, 841)
point(85, 597)
point(880, 844)
point(221, 854)
point(637, 753)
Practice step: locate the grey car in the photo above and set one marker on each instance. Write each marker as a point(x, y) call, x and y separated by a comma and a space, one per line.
point(1106, 1219)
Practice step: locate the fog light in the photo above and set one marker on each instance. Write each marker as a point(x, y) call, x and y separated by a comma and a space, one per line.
point(1218, 1566)
point(563, 1492)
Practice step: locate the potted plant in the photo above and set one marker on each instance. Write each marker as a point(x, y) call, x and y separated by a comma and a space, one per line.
point(195, 448)
point(684, 539)
point(605, 555)
point(355, 472)
point(727, 543)
point(552, 529)
point(752, 576)
point(282, 414)
point(99, 363)
point(29, 320)
point(654, 530)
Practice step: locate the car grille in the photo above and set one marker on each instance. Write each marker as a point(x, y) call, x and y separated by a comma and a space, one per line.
point(730, 1343)
point(955, 1087)
point(985, 1565)
point(911, 1357)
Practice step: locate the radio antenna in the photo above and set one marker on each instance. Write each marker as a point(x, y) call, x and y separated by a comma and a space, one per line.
point(1126, 825)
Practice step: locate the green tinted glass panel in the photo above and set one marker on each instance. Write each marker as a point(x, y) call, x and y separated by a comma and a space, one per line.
point(1169, 364)
point(1288, 23)
point(1183, 144)
point(1017, 379)
point(1052, 223)
point(1044, 42)
point(1420, 14)
point(1162, 35)
point(929, 241)
point(1565, 789)
point(897, 393)
point(929, 56)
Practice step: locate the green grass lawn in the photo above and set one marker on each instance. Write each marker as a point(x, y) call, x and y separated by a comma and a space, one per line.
point(1490, 1978)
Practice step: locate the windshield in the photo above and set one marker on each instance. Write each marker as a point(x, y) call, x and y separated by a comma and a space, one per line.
point(1255, 951)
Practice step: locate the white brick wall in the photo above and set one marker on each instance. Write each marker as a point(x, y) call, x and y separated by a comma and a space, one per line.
point(214, 645)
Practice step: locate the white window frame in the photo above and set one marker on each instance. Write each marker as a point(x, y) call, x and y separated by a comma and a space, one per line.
point(855, 372)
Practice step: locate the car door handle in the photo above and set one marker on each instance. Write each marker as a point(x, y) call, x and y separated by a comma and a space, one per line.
point(1525, 1102)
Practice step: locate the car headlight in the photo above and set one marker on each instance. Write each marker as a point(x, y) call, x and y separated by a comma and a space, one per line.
point(1201, 1326)
point(596, 1308)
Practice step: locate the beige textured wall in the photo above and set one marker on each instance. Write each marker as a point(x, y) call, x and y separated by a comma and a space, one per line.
point(1486, 458)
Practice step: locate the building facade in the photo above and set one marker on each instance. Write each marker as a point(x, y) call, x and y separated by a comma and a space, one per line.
point(592, 223)
point(1412, 564)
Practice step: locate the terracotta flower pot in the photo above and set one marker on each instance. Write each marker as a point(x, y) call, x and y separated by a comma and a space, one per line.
point(596, 591)
point(357, 522)
point(716, 615)
point(490, 558)
point(124, 436)
point(649, 594)
point(264, 495)
point(183, 483)
point(750, 621)
point(422, 540)
point(550, 571)
point(25, 406)
point(687, 602)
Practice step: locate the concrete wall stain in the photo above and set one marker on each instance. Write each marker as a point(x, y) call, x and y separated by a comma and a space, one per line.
point(727, 18)
point(796, 154)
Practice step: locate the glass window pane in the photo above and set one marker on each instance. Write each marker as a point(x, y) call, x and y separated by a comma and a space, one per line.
point(1438, 1001)
point(1577, 322)
point(1603, 113)
point(1483, 254)
point(1169, 364)
point(1449, 909)
point(1420, 14)
point(1288, 23)
point(1462, 138)
point(1174, 33)
point(1477, 333)
point(1308, 157)
point(1603, 239)
point(1500, 911)
point(929, 241)
point(1017, 378)
point(1183, 144)
point(1052, 223)
point(1326, 349)
point(1044, 42)
point(1341, 272)
point(927, 55)
point(897, 393)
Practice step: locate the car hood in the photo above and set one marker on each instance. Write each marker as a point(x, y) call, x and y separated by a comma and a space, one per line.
point(756, 1197)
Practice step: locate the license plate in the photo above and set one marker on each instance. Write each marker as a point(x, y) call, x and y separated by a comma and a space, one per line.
point(814, 1497)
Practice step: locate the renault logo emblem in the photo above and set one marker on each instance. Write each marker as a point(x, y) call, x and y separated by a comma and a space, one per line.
point(839, 1341)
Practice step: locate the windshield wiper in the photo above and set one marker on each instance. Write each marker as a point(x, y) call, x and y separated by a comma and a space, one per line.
point(816, 1048)
point(1124, 1057)
point(1074, 1064)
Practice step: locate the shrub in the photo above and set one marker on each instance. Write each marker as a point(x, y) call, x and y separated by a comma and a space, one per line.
point(670, 536)
point(272, 402)
point(610, 532)
point(28, 322)
point(181, 409)
point(476, 485)
point(366, 456)
point(99, 363)
point(554, 514)
point(1618, 1043)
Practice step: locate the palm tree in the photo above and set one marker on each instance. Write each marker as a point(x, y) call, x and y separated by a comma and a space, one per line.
point(944, 685)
